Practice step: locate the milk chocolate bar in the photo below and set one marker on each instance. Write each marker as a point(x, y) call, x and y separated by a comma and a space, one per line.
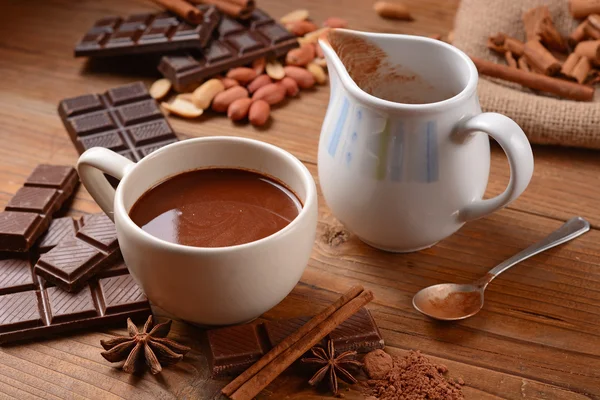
point(125, 119)
point(147, 33)
point(27, 215)
point(74, 260)
point(236, 43)
point(232, 350)
point(32, 308)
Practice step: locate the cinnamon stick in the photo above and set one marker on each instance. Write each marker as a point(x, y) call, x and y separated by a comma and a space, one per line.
point(522, 63)
point(234, 8)
point(538, 57)
point(559, 87)
point(591, 31)
point(502, 43)
point(589, 49)
point(569, 64)
point(273, 369)
point(510, 60)
point(539, 26)
point(183, 9)
point(581, 69)
point(578, 34)
point(290, 340)
point(583, 8)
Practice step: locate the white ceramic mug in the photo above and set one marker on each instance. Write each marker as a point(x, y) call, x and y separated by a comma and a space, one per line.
point(404, 176)
point(207, 286)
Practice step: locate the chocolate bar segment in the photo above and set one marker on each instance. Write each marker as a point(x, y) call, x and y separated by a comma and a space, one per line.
point(28, 213)
point(60, 228)
point(74, 260)
point(147, 33)
point(39, 310)
point(125, 119)
point(236, 43)
point(232, 350)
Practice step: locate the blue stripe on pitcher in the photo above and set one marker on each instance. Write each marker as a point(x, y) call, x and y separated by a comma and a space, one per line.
point(337, 133)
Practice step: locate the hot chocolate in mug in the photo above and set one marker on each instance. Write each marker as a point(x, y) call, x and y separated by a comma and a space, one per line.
point(215, 285)
point(404, 154)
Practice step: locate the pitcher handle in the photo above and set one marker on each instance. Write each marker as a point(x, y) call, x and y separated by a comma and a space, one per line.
point(513, 141)
point(92, 166)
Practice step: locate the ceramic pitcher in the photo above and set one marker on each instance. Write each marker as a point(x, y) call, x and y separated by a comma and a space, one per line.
point(404, 154)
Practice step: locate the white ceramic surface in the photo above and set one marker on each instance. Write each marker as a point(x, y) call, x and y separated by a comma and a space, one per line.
point(404, 176)
point(207, 286)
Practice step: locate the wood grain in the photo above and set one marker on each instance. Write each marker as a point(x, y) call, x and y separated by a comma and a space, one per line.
point(538, 335)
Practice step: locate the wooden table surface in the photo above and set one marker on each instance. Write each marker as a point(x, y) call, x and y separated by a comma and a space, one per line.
point(538, 335)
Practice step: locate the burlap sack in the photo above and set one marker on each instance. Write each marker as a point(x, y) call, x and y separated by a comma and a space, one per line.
point(544, 119)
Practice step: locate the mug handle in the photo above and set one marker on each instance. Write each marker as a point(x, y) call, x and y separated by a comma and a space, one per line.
point(513, 141)
point(91, 167)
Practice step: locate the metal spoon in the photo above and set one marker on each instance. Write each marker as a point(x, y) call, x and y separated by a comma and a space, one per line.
point(450, 301)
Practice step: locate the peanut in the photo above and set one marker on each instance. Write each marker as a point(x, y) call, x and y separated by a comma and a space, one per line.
point(296, 15)
point(303, 77)
point(291, 87)
point(242, 74)
point(335, 22)
point(259, 112)
point(301, 56)
point(258, 65)
point(222, 100)
point(185, 96)
point(206, 92)
point(272, 93)
point(318, 50)
point(301, 28)
point(258, 82)
point(228, 82)
point(183, 108)
point(160, 88)
point(318, 72)
point(321, 62)
point(387, 9)
point(239, 109)
point(313, 37)
point(275, 70)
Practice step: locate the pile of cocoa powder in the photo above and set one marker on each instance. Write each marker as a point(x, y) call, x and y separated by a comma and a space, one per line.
point(413, 377)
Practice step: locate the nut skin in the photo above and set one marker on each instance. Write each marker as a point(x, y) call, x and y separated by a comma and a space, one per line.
point(301, 28)
point(242, 74)
point(229, 82)
point(335, 22)
point(258, 82)
point(222, 100)
point(259, 113)
point(301, 56)
point(303, 77)
point(272, 93)
point(238, 110)
point(291, 87)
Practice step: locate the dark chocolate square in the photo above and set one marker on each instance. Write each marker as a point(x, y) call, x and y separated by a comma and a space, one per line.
point(64, 306)
point(34, 199)
point(99, 230)
point(15, 273)
point(19, 311)
point(120, 293)
point(54, 176)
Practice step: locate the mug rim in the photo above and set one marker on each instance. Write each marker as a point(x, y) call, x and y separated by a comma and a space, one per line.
point(466, 92)
point(305, 177)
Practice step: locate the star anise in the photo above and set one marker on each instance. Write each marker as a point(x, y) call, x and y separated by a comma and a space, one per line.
point(150, 344)
point(332, 365)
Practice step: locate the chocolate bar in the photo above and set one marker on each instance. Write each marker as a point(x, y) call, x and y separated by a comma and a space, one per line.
point(27, 215)
point(32, 308)
point(74, 260)
point(236, 43)
point(232, 350)
point(147, 33)
point(59, 229)
point(125, 119)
